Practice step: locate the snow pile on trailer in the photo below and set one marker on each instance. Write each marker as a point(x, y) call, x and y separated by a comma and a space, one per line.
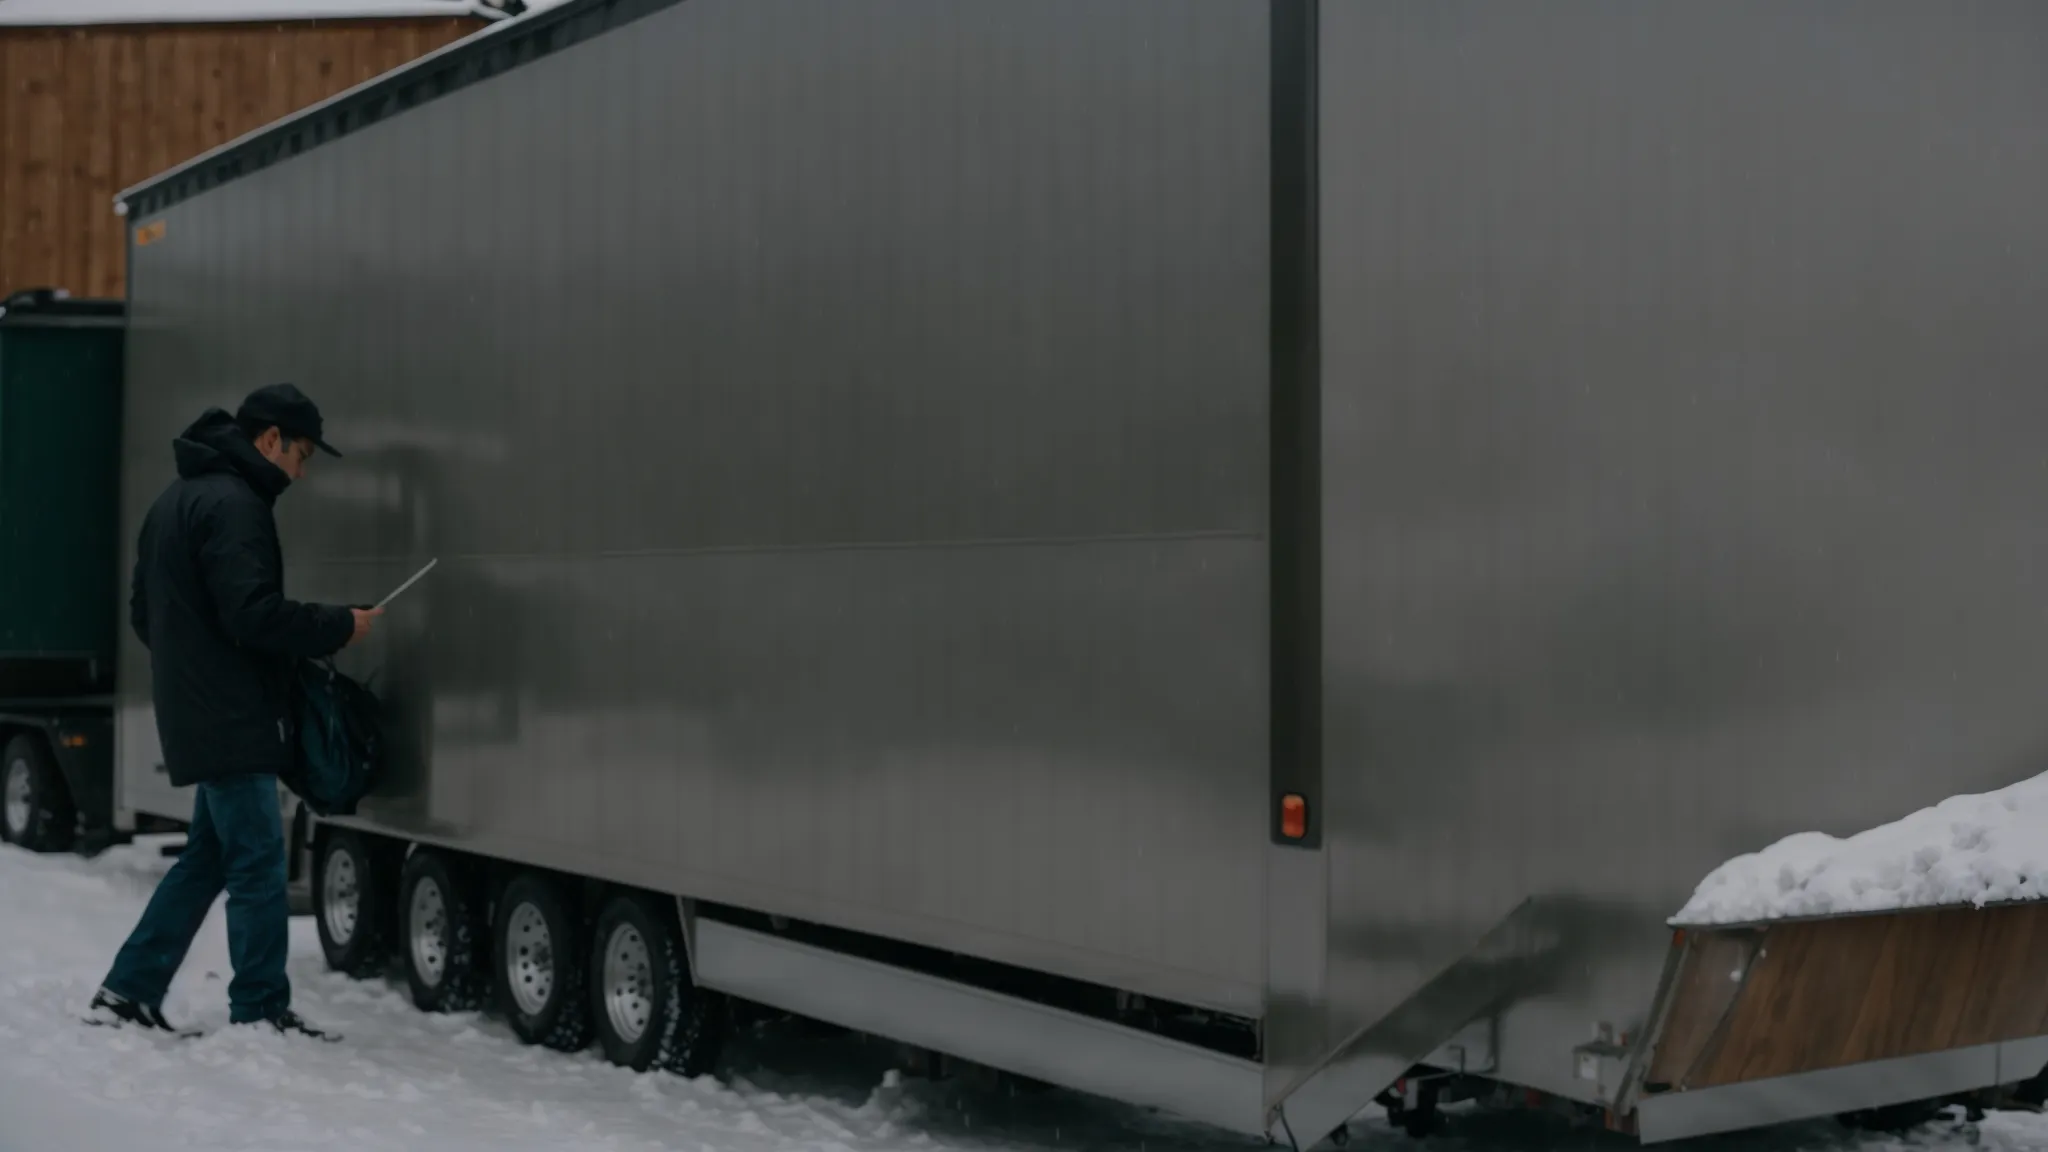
point(1979, 849)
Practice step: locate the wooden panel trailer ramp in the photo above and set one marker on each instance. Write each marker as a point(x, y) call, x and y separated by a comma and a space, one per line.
point(1845, 1013)
point(1242, 557)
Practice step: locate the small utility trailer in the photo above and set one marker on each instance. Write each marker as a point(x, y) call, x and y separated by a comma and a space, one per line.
point(1242, 557)
point(60, 413)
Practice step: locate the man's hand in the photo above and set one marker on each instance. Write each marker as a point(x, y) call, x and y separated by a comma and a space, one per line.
point(364, 617)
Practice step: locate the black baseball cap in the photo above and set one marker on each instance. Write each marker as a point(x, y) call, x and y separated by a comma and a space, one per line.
point(284, 406)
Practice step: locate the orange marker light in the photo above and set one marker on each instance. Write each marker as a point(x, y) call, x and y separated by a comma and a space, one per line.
point(73, 741)
point(1293, 816)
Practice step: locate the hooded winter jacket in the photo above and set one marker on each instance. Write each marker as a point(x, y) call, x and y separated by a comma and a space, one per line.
point(208, 602)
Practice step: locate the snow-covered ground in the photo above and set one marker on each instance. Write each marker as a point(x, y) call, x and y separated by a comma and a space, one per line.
point(404, 1080)
point(1984, 848)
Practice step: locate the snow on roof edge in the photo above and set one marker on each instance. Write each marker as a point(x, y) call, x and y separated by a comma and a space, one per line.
point(82, 13)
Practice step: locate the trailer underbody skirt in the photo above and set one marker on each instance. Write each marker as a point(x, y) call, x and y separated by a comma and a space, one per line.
point(987, 1028)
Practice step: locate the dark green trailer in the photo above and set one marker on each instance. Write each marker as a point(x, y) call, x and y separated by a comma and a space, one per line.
point(60, 440)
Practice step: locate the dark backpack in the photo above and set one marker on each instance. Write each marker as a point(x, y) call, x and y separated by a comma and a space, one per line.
point(340, 753)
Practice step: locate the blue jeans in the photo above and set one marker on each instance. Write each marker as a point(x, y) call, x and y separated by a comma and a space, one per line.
point(237, 843)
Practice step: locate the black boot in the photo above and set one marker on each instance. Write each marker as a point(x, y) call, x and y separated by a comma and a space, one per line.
point(291, 1023)
point(110, 1010)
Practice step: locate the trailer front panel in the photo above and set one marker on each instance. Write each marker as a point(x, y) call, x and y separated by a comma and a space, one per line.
point(1680, 443)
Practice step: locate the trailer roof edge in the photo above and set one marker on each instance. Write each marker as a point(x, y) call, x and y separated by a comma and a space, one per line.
point(417, 10)
point(498, 47)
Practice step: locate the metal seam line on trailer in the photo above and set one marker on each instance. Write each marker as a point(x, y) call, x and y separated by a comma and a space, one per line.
point(941, 544)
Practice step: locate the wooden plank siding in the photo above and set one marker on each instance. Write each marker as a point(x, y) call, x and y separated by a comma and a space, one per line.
point(1757, 1003)
point(88, 111)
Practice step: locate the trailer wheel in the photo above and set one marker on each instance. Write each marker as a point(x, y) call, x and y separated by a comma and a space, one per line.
point(648, 1011)
point(351, 902)
point(35, 806)
point(444, 933)
point(541, 958)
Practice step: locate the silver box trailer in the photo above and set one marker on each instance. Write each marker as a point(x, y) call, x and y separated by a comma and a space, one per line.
point(928, 485)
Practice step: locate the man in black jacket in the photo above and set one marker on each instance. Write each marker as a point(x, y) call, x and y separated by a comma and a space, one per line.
point(209, 605)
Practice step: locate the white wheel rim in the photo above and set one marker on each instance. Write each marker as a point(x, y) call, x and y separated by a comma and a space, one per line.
point(340, 899)
point(529, 959)
point(20, 798)
point(628, 983)
point(429, 920)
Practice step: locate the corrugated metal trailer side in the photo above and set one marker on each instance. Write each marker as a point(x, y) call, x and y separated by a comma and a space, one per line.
point(947, 472)
point(842, 429)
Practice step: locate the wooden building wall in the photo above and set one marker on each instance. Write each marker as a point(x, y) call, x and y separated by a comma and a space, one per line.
point(88, 111)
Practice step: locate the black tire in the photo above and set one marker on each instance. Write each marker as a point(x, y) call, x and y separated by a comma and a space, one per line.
point(680, 1027)
point(442, 933)
point(540, 958)
point(35, 804)
point(352, 893)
